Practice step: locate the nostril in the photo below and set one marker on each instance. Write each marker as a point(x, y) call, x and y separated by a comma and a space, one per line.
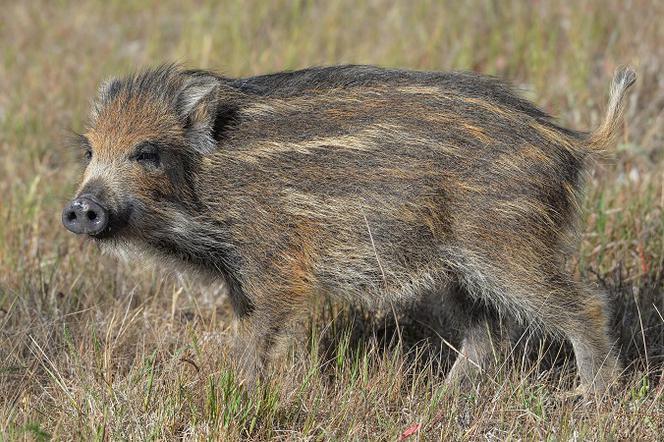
point(71, 216)
point(91, 215)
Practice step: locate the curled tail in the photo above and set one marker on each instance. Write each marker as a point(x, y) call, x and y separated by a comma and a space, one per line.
point(601, 137)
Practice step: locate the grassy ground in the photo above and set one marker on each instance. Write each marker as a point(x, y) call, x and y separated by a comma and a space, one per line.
point(93, 349)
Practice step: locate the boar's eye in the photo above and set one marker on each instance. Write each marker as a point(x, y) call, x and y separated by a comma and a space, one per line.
point(81, 141)
point(148, 155)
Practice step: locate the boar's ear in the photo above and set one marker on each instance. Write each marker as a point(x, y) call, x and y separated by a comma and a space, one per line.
point(203, 114)
point(106, 92)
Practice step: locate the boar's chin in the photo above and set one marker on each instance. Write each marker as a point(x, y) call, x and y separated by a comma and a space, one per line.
point(145, 254)
point(125, 251)
point(114, 247)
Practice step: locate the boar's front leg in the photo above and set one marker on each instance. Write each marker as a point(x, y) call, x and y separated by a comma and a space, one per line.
point(278, 287)
point(264, 329)
point(257, 340)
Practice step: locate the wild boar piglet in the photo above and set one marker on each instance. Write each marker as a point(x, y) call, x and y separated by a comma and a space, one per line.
point(366, 184)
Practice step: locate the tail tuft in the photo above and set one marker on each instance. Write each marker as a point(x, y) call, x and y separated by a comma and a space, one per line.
point(601, 137)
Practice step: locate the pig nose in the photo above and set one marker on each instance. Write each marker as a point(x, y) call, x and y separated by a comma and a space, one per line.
point(84, 215)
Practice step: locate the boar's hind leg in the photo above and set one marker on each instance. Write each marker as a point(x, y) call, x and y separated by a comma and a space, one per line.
point(580, 314)
point(588, 330)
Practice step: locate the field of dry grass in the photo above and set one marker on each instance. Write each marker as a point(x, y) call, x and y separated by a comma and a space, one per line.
point(95, 349)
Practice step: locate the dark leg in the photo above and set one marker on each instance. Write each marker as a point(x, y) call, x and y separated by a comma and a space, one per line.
point(476, 353)
point(481, 338)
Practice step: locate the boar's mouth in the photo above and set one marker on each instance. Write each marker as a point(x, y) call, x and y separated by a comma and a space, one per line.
point(117, 223)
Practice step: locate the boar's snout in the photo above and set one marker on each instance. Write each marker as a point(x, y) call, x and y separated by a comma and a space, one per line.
point(85, 215)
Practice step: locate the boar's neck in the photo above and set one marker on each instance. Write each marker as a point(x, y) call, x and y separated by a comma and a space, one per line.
point(205, 249)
